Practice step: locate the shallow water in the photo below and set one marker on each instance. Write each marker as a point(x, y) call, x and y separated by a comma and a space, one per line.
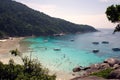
point(73, 53)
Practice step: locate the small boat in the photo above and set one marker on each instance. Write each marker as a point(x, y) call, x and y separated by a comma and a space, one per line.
point(95, 51)
point(57, 49)
point(105, 42)
point(60, 34)
point(95, 43)
point(71, 40)
point(45, 40)
point(116, 49)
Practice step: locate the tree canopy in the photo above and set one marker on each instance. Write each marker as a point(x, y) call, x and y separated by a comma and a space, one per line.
point(113, 15)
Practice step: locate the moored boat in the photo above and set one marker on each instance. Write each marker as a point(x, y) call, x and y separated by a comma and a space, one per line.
point(57, 49)
point(105, 42)
point(95, 43)
point(116, 49)
point(95, 51)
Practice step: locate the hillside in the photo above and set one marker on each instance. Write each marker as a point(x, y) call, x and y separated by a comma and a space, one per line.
point(17, 19)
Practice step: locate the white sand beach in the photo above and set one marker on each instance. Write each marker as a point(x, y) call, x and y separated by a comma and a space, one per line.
point(9, 44)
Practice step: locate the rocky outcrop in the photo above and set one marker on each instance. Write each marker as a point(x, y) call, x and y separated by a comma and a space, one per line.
point(111, 63)
point(89, 78)
point(115, 74)
point(76, 69)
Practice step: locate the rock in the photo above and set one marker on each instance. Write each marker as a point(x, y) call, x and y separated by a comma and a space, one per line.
point(115, 74)
point(104, 66)
point(77, 69)
point(116, 66)
point(86, 68)
point(112, 61)
point(95, 66)
point(89, 78)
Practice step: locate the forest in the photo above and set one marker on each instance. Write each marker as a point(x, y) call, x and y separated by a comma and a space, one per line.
point(16, 19)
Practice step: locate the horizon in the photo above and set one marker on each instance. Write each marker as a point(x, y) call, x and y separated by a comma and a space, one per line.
point(79, 12)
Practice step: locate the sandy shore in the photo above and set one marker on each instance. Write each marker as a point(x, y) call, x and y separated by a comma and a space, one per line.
point(14, 43)
point(9, 44)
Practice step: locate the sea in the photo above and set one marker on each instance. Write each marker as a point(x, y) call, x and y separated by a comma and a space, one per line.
point(63, 53)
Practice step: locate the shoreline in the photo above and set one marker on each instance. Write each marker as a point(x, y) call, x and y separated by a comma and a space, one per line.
point(10, 44)
point(15, 43)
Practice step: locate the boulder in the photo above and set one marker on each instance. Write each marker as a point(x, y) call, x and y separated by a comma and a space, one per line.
point(86, 68)
point(116, 66)
point(95, 66)
point(76, 69)
point(112, 61)
point(104, 66)
point(115, 74)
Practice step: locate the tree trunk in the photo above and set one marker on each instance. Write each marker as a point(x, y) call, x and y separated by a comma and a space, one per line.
point(117, 28)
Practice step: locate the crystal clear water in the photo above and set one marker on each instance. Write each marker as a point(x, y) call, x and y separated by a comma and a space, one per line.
point(73, 53)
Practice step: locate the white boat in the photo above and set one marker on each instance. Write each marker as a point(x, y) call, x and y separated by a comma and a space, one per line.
point(45, 40)
point(57, 49)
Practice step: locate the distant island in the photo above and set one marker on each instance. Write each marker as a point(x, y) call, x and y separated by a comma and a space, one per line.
point(17, 19)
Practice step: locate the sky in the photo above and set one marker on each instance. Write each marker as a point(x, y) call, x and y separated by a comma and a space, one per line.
point(90, 12)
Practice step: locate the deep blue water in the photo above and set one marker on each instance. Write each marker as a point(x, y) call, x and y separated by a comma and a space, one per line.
point(73, 53)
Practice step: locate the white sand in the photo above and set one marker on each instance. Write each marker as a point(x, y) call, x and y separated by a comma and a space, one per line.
point(5, 46)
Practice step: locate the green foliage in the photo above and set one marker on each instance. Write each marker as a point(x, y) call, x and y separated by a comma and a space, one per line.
point(31, 70)
point(17, 19)
point(15, 52)
point(113, 13)
point(103, 73)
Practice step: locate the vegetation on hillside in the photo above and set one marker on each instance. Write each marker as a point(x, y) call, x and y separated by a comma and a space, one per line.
point(113, 15)
point(30, 70)
point(17, 19)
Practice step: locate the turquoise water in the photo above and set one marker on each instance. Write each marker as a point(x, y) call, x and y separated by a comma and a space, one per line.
point(73, 53)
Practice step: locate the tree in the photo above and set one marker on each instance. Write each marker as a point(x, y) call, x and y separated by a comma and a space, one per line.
point(113, 15)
